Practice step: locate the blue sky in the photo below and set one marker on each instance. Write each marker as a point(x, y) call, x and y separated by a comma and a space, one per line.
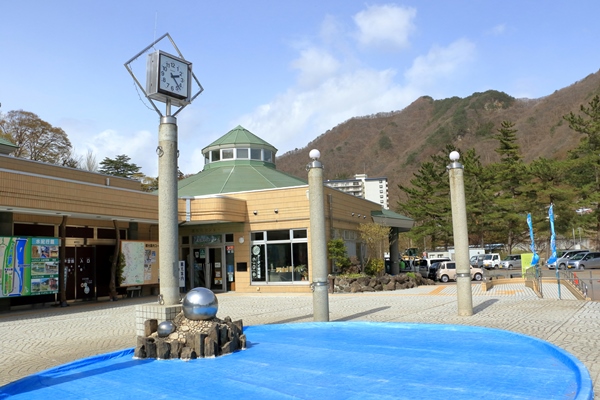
point(286, 70)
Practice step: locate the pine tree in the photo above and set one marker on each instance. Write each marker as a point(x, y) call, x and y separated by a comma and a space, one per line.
point(510, 185)
point(120, 166)
point(584, 168)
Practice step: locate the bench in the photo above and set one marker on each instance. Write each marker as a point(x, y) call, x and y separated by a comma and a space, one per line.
point(133, 290)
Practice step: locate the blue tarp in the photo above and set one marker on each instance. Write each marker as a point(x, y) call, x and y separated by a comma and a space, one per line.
point(335, 360)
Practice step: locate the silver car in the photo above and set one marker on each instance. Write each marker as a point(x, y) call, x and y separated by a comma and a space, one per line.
point(585, 260)
point(564, 258)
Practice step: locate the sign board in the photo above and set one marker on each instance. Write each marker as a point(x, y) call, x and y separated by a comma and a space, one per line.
point(181, 274)
point(139, 262)
point(29, 266)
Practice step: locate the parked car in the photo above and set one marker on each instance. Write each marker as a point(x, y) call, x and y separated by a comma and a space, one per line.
point(447, 271)
point(423, 265)
point(585, 260)
point(511, 261)
point(477, 260)
point(433, 270)
point(490, 261)
point(564, 258)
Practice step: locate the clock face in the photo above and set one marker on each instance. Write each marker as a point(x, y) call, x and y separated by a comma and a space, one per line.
point(173, 76)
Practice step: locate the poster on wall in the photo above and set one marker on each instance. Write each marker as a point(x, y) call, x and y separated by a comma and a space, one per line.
point(29, 266)
point(139, 261)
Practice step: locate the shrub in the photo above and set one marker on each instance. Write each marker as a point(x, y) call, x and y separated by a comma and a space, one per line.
point(374, 267)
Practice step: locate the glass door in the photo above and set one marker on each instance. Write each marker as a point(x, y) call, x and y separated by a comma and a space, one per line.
point(199, 267)
point(216, 267)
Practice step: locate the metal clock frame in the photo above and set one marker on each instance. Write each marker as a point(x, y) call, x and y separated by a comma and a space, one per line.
point(169, 100)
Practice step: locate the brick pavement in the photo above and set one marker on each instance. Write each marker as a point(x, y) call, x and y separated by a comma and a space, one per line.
point(38, 339)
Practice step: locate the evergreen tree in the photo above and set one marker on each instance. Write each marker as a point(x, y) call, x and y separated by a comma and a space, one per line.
point(584, 168)
point(120, 166)
point(549, 185)
point(427, 201)
point(509, 213)
point(478, 192)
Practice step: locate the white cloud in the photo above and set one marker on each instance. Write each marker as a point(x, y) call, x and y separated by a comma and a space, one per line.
point(331, 91)
point(440, 63)
point(294, 118)
point(139, 146)
point(497, 30)
point(385, 26)
point(315, 65)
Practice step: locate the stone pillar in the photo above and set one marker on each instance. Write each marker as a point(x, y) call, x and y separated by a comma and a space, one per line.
point(461, 236)
point(167, 211)
point(318, 240)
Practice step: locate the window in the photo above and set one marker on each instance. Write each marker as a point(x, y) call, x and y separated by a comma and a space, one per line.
point(279, 256)
point(268, 155)
point(242, 153)
point(227, 154)
point(255, 154)
point(215, 156)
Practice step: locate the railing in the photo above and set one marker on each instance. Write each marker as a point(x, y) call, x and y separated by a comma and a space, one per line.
point(533, 276)
point(578, 281)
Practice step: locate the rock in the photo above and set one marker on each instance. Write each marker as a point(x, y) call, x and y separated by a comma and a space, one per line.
point(163, 349)
point(211, 349)
point(188, 353)
point(150, 326)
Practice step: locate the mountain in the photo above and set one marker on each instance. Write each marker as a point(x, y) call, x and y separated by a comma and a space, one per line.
point(394, 144)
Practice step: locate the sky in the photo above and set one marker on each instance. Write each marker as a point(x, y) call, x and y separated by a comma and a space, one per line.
point(287, 71)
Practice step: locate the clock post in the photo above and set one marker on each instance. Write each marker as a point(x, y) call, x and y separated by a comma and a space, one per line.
point(169, 80)
point(168, 244)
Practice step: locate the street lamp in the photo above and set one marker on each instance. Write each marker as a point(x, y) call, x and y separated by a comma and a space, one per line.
point(318, 241)
point(461, 236)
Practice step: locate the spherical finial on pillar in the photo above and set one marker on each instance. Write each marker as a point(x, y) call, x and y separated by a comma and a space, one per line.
point(314, 154)
point(454, 156)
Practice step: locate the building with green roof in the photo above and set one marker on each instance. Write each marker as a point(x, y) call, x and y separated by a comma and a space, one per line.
point(245, 226)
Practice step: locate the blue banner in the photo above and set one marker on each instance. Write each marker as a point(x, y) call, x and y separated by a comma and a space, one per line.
point(535, 258)
point(553, 256)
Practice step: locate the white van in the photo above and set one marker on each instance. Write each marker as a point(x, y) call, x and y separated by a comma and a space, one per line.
point(491, 261)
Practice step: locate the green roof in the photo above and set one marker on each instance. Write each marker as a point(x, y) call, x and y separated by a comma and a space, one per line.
point(237, 137)
point(236, 176)
point(389, 218)
point(6, 146)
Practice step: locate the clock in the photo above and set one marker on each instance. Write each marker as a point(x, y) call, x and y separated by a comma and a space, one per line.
point(168, 78)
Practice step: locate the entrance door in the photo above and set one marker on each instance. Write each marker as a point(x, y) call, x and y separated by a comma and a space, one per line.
point(216, 269)
point(81, 273)
point(199, 267)
point(209, 268)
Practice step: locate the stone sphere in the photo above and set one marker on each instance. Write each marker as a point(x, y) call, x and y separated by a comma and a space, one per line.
point(200, 304)
point(165, 328)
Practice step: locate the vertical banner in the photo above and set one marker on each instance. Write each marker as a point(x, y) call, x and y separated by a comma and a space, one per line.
point(535, 258)
point(553, 256)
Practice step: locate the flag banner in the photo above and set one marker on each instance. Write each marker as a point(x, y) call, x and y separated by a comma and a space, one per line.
point(553, 256)
point(535, 258)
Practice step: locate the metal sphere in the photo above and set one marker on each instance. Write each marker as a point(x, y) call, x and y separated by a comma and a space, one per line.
point(200, 304)
point(165, 328)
